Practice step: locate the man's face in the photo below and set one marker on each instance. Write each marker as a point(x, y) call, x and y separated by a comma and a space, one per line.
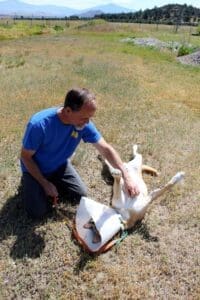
point(82, 117)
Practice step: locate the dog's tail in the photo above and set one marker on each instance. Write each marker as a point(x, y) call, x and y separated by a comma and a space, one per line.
point(158, 192)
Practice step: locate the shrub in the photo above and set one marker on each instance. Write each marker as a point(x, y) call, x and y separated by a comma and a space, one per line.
point(58, 28)
point(37, 29)
point(184, 50)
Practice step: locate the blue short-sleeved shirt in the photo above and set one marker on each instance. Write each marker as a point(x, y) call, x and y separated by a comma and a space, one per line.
point(54, 141)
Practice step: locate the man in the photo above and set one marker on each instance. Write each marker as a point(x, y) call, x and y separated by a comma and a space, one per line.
point(51, 137)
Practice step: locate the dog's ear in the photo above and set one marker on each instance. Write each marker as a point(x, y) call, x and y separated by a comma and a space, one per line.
point(100, 157)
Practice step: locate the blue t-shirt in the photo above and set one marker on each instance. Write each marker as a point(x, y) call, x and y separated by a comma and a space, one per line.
point(54, 141)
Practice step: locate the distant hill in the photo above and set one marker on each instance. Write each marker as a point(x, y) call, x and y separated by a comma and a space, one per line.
point(167, 14)
point(104, 9)
point(112, 8)
point(90, 13)
point(19, 8)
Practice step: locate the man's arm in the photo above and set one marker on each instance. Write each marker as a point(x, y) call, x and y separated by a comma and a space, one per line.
point(33, 169)
point(107, 151)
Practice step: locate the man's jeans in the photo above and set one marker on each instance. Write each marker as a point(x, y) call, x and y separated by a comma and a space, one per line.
point(67, 181)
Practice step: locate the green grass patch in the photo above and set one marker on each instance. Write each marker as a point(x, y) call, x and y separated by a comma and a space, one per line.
point(58, 28)
point(21, 29)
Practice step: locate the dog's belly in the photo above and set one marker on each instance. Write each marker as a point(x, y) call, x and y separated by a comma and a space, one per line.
point(136, 203)
point(134, 208)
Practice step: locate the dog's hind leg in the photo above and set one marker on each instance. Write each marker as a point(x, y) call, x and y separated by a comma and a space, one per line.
point(158, 192)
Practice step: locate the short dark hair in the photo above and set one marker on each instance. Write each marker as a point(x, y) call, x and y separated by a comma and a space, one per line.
point(75, 98)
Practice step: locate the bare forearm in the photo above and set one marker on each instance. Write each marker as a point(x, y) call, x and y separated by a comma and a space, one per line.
point(109, 153)
point(34, 170)
point(114, 159)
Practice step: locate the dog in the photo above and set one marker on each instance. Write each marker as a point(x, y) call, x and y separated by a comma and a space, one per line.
point(97, 223)
point(133, 209)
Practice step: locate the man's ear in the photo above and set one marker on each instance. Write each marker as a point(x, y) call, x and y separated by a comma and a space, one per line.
point(68, 110)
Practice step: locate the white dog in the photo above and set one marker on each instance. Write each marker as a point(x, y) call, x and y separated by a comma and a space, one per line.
point(96, 224)
point(134, 209)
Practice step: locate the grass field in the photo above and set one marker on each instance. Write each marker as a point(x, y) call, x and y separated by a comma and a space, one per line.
point(144, 96)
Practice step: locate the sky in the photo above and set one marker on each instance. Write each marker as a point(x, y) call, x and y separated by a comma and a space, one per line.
point(132, 4)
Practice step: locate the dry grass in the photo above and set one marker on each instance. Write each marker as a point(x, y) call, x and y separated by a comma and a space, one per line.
point(144, 96)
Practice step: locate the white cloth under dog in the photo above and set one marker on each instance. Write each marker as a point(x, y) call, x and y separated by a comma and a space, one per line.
point(106, 219)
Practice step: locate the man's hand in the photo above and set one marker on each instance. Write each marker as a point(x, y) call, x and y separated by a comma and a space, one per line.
point(32, 167)
point(131, 187)
point(50, 189)
point(108, 152)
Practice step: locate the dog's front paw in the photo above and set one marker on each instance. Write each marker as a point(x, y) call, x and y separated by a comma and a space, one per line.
point(116, 173)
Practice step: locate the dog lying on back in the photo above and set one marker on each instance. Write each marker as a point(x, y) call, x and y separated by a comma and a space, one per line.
point(133, 209)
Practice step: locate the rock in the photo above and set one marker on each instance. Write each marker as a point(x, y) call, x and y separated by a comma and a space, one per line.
point(190, 59)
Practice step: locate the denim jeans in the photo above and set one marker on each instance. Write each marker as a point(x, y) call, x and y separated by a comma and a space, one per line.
point(67, 181)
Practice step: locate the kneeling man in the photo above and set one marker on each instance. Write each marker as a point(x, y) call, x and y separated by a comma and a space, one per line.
point(50, 139)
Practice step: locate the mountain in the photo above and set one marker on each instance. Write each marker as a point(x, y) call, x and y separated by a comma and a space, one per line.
point(111, 9)
point(90, 13)
point(19, 8)
point(104, 9)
